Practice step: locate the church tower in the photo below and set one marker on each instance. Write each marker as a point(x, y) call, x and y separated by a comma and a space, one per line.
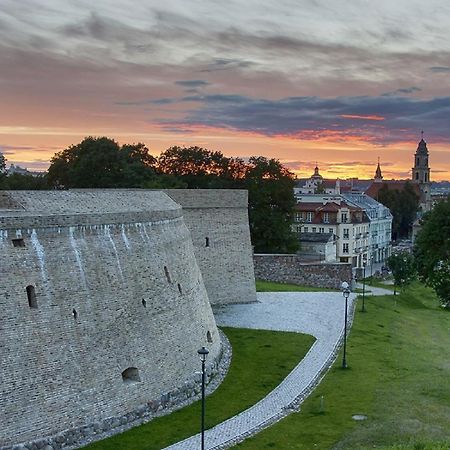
point(378, 176)
point(421, 174)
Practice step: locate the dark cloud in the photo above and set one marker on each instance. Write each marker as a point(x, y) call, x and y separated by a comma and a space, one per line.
point(192, 83)
point(410, 90)
point(227, 64)
point(316, 117)
point(440, 69)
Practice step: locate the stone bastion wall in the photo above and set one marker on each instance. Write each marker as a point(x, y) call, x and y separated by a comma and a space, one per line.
point(218, 222)
point(102, 309)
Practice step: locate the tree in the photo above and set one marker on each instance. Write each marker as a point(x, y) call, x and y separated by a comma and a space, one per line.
point(17, 181)
point(403, 205)
point(201, 168)
point(2, 163)
point(99, 162)
point(271, 204)
point(2, 167)
point(402, 266)
point(432, 250)
point(270, 190)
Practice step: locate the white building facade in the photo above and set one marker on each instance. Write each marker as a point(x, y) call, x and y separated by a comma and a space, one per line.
point(361, 225)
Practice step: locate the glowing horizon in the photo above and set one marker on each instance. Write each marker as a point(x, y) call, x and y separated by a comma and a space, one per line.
point(338, 84)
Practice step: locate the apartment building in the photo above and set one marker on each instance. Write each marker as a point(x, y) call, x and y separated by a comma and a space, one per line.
point(360, 227)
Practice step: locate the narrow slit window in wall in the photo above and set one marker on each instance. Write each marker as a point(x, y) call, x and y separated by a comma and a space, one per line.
point(75, 313)
point(209, 337)
point(166, 271)
point(144, 303)
point(206, 241)
point(180, 290)
point(131, 375)
point(19, 242)
point(31, 294)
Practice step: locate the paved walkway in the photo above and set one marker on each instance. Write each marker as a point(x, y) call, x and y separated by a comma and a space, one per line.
point(317, 313)
point(371, 290)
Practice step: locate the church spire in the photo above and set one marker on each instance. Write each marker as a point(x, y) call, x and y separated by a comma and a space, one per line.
point(378, 176)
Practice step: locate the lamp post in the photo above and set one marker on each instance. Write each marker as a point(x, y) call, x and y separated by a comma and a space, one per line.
point(345, 293)
point(363, 309)
point(203, 353)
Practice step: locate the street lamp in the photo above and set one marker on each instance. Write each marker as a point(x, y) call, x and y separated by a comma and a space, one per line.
point(363, 309)
point(345, 292)
point(203, 353)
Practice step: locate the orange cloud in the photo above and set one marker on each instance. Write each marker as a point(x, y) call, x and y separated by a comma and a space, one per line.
point(356, 116)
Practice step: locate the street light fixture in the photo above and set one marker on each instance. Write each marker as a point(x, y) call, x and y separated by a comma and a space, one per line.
point(203, 353)
point(345, 292)
point(363, 309)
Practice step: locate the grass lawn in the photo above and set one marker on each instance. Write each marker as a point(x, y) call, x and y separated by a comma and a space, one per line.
point(398, 376)
point(257, 367)
point(270, 286)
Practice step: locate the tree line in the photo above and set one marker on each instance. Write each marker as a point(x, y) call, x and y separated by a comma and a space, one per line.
point(100, 162)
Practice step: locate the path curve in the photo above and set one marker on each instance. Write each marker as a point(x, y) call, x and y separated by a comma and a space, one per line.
point(317, 313)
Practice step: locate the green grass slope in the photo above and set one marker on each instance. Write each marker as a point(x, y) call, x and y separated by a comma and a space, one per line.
point(398, 376)
point(257, 367)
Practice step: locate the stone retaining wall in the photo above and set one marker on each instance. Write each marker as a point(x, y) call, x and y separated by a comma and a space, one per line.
point(290, 269)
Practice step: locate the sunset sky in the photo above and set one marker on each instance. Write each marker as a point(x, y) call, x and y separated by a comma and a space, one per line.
point(339, 83)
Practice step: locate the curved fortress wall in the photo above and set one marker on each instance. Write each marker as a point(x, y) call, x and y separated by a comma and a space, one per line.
point(102, 307)
point(218, 222)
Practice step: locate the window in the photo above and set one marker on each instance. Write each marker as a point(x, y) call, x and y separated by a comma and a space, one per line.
point(330, 230)
point(309, 216)
point(74, 313)
point(345, 248)
point(343, 217)
point(297, 217)
point(417, 175)
point(209, 337)
point(346, 233)
point(305, 229)
point(144, 303)
point(31, 294)
point(180, 290)
point(326, 217)
point(19, 242)
point(130, 375)
point(313, 229)
point(206, 241)
point(321, 230)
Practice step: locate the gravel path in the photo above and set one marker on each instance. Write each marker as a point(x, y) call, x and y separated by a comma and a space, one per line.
point(317, 313)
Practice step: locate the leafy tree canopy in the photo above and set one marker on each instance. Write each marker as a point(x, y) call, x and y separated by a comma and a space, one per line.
point(432, 250)
point(271, 204)
point(200, 168)
point(402, 266)
point(403, 205)
point(2, 163)
point(17, 181)
point(269, 184)
point(99, 162)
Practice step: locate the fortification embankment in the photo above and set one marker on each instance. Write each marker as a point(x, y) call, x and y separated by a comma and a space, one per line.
point(102, 310)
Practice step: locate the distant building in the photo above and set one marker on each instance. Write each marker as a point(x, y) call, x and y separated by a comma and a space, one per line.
point(13, 169)
point(360, 225)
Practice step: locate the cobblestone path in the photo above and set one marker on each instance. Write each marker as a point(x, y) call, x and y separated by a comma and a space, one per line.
point(317, 313)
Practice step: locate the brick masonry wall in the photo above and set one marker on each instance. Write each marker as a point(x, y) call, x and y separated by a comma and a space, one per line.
point(218, 222)
point(290, 269)
point(105, 304)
